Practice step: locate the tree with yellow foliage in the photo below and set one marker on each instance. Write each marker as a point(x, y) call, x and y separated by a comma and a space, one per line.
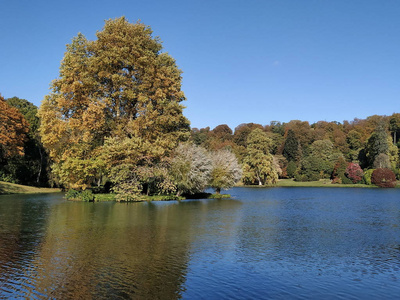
point(120, 86)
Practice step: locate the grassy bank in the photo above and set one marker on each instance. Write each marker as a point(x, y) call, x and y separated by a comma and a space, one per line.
point(12, 188)
point(319, 183)
point(324, 183)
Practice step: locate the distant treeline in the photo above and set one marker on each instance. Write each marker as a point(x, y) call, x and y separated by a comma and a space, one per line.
point(346, 152)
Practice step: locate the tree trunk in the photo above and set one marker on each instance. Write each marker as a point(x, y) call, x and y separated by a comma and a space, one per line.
point(218, 191)
point(40, 167)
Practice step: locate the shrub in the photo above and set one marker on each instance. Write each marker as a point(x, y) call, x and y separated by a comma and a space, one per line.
point(85, 195)
point(339, 169)
point(367, 176)
point(72, 194)
point(309, 176)
point(383, 178)
point(354, 172)
point(291, 169)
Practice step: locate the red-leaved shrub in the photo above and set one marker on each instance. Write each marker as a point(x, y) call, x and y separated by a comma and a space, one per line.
point(354, 172)
point(384, 178)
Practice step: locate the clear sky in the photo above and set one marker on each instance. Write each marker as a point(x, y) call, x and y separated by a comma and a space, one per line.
point(242, 61)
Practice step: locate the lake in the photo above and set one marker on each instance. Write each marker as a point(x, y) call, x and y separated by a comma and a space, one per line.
point(264, 243)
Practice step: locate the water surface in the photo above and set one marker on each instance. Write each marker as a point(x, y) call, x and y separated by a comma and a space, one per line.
point(277, 243)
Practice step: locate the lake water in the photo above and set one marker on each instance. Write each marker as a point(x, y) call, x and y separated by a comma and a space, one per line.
point(276, 243)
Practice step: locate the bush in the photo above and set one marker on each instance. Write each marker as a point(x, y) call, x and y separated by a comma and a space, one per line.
point(86, 195)
point(367, 176)
point(384, 178)
point(72, 194)
point(309, 176)
point(354, 172)
point(291, 169)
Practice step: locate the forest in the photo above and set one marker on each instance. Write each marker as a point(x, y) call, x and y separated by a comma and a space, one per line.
point(114, 122)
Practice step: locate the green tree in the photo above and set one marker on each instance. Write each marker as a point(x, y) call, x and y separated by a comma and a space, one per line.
point(394, 126)
point(258, 165)
point(226, 171)
point(120, 85)
point(320, 161)
point(380, 143)
point(291, 147)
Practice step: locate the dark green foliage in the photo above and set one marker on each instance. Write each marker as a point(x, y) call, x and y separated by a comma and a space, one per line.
point(307, 176)
point(384, 178)
point(339, 170)
point(291, 169)
point(200, 136)
point(85, 196)
point(377, 143)
point(72, 194)
point(394, 127)
point(291, 147)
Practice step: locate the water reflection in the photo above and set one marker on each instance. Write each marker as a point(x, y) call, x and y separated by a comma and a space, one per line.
point(264, 243)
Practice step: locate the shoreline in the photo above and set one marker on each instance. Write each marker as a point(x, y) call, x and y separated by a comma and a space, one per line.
point(7, 188)
point(322, 183)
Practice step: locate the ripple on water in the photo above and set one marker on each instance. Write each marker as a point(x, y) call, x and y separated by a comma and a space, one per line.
point(265, 244)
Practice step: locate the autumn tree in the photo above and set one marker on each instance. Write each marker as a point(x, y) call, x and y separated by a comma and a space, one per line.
point(354, 172)
point(32, 167)
point(384, 178)
point(13, 130)
point(226, 171)
point(258, 165)
point(118, 86)
point(339, 171)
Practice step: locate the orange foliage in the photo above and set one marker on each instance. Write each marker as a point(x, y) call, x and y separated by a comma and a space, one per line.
point(13, 130)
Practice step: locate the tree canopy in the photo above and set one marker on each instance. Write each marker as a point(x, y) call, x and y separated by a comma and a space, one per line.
point(122, 86)
point(13, 130)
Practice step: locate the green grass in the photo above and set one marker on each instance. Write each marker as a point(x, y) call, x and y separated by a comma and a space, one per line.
point(12, 188)
point(320, 183)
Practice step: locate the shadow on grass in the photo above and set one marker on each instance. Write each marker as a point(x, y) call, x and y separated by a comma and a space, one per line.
point(7, 188)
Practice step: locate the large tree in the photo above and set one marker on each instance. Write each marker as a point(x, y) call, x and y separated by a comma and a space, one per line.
point(291, 147)
point(258, 167)
point(190, 169)
point(13, 130)
point(31, 168)
point(380, 142)
point(226, 171)
point(121, 86)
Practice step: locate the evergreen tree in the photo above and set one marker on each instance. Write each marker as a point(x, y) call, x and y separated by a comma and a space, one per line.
point(291, 147)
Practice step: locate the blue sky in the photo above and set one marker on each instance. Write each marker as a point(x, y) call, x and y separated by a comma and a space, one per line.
point(242, 61)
